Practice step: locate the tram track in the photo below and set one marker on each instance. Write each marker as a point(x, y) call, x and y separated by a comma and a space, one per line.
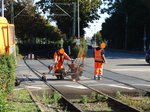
point(146, 91)
point(70, 106)
point(113, 101)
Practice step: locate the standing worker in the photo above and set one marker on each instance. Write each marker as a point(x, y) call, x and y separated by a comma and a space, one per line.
point(99, 59)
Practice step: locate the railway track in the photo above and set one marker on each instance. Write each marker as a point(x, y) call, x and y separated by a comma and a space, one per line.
point(66, 102)
point(117, 104)
point(140, 89)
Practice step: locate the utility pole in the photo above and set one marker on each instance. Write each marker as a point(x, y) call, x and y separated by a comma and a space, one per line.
point(78, 19)
point(2, 8)
point(12, 11)
point(74, 19)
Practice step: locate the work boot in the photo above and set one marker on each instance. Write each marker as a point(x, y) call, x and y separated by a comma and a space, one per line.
point(99, 77)
point(95, 76)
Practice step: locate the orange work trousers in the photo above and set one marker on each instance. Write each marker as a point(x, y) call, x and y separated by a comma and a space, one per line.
point(98, 68)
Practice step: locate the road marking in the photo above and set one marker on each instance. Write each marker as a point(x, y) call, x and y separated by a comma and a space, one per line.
point(113, 85)
point(33, 87)
point(18, 88)
point(119, 86)
point(74, 86)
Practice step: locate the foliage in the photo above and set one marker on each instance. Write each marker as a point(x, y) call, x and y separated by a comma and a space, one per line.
point(98, 38)
point(30, 26)
point(21, 101)
point(88, 13)
point(7, 73)
point(75, 51)
point(75, 48)
point(7, 80)
point(84, 99)
point(53, 98)
point(126, 24)
point(95, 97)
point(4, 107)
point(139, 102)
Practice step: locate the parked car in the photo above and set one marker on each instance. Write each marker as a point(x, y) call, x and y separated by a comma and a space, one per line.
point(147, 57)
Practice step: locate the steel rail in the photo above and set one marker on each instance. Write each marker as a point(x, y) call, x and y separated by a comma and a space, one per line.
point(147, 92)
point(66, 102)
point(124, 107)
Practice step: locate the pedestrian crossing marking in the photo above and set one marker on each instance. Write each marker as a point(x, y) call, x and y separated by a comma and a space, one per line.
point(120, 86)
point(113, 85)
point(74, 86)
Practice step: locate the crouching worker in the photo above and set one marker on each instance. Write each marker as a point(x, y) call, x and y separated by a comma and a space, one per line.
point(59, 57)
point(99, 60)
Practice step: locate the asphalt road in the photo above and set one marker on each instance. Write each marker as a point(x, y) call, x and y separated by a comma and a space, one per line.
point(119, 66)
point(126, 63)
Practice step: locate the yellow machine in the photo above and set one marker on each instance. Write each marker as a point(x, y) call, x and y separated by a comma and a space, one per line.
point(7, 37)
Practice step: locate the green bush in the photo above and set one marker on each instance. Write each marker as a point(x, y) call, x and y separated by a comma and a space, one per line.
point(75, 51)
point(84, 99)
point(4, 105)
point(75, 48)
point(7, 79)
point(7, 73)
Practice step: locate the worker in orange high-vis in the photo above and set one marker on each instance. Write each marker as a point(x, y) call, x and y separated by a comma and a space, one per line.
point(59, 57)
point(99, 60)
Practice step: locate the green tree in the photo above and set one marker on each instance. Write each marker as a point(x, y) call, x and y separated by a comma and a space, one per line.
point(88, 13)
point(30, 25)
point(125, 27)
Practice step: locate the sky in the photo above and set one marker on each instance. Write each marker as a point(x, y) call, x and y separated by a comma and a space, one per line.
point(95, 26)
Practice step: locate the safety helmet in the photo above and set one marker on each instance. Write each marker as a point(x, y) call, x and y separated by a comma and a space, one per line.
point(102, 45)
point(61, 51)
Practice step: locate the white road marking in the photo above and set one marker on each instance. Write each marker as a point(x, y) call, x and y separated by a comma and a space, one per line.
point(113, 85)
point(73, 86)
point(119, 86)
point(18, 88)
point(33, 87)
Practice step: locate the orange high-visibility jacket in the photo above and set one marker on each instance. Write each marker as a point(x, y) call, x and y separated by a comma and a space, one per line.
point(98, 61)
point(59, 58)
point(98, 56)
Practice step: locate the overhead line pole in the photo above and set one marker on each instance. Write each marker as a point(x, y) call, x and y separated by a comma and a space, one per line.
point(12, 12)
point(62, 10)
point(78, 20)
point(74, 20)
point(2, 8)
